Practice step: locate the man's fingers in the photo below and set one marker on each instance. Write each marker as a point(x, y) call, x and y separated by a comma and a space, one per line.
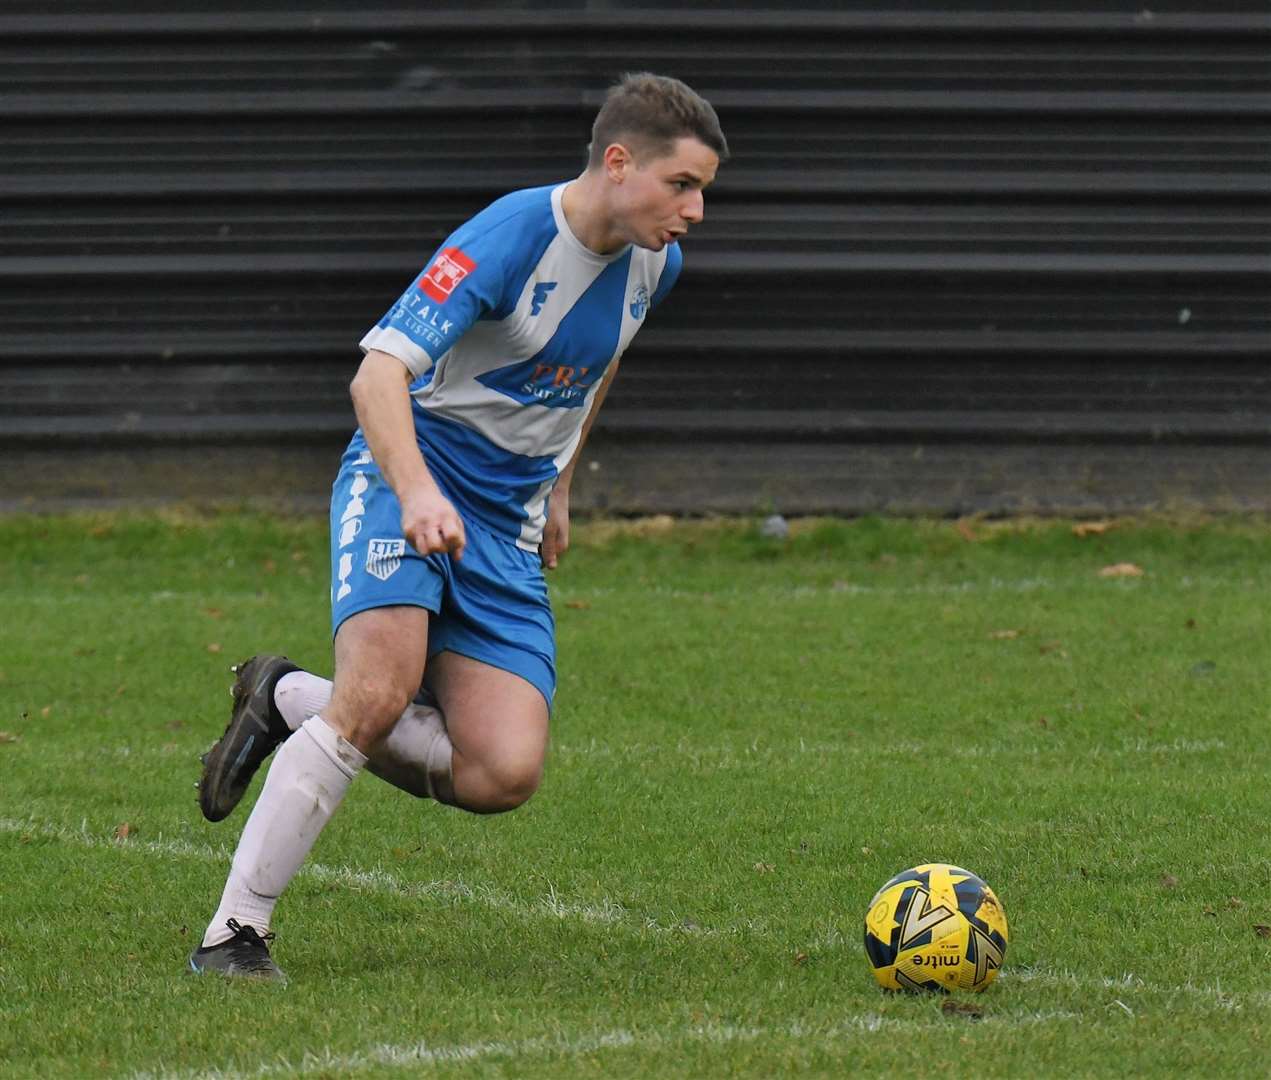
point(455, 540)
point(438, 537)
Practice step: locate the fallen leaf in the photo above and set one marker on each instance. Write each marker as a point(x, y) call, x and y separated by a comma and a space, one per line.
point(800, 958)
point(961, 1008)
point(764, 867)
point(1190, 624)
point(1262, 930)
point(578, 605)
point(1209, 910)
point(269, 566)
point(1121, 569)
point(1005, 635)
point(1091, 528)
point(121, 833)
point(1044, 721)
point(215, 613)
point(46, 710)
point(214, 647)
point(8, 736)
point(1235, 903)
point(1047, 647)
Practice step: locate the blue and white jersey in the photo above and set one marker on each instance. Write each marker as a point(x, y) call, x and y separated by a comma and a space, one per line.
point(508, 334)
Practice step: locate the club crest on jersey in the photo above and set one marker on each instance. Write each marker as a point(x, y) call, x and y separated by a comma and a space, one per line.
point(445, 274)
point(639, 302)
point(384, 558)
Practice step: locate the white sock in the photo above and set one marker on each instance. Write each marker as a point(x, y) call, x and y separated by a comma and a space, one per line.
point(299, 695)
point(417, 754)
point(305, 785)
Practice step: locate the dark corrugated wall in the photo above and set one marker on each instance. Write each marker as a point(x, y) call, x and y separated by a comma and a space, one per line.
point(966, 257)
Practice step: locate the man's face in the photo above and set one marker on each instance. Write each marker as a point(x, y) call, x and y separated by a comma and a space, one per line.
point(660, 198)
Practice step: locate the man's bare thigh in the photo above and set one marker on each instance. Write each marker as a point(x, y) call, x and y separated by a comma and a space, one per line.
point(491, 714)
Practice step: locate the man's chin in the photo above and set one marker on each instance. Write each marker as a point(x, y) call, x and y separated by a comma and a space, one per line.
point(656, 243)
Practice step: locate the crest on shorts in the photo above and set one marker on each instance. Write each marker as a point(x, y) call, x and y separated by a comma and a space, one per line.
point(384, 557)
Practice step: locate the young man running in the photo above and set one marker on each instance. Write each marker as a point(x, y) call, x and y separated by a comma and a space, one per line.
point(474, 398)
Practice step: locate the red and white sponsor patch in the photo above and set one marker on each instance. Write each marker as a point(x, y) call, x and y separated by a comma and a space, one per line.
point(450, 268)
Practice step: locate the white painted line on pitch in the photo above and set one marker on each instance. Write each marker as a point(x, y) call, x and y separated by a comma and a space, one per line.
point(606, 913)
point(1130, 983)
point(422, 1054)
point(411, 1055)
point(84, 838)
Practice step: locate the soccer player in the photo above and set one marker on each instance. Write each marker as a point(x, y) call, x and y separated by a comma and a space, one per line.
point(474, 398)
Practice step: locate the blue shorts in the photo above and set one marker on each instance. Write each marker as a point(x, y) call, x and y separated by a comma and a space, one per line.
point(491, 605)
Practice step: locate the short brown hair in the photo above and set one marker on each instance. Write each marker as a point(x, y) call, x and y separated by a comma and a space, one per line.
point(649, 112)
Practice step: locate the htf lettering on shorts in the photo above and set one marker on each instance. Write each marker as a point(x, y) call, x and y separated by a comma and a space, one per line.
point(384, 557)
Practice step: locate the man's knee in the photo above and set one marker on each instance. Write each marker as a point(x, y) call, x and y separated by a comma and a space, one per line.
point(364, 708)
point(503, 785)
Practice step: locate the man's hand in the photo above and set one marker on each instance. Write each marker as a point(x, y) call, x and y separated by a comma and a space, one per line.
point(556, 532)
point(430, 523)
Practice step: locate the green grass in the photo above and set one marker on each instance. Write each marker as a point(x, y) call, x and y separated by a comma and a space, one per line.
point(751, 736)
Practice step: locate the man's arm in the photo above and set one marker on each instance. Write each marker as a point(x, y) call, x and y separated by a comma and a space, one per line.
point(556, 534)
point(381, 399)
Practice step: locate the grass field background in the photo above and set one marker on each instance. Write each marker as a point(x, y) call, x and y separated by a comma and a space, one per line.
point(751, 736)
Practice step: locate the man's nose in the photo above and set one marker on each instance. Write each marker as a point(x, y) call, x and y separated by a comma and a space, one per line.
point(694, 208)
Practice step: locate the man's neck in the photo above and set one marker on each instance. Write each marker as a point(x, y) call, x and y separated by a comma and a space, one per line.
point(581, 204)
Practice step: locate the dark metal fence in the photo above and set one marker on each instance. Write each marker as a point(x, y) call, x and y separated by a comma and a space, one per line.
point(966, 257)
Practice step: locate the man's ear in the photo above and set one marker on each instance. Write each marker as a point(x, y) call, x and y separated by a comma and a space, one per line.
point(617, 160)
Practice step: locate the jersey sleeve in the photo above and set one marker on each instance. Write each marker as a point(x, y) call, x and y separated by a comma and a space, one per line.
point(463, 283)
point(670, 273)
